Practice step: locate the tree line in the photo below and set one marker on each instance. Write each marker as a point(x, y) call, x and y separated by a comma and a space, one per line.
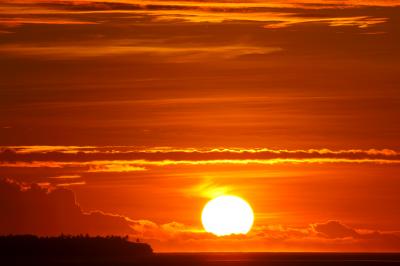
point(71, 246)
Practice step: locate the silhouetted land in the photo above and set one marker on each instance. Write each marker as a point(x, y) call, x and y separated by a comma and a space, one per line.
point(32, 248)
point(118, 251)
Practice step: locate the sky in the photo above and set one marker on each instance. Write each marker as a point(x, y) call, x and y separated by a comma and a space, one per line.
point(127, 116)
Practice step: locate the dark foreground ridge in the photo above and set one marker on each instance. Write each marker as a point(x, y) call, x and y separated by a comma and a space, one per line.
point(22, 247)
point(118, 251)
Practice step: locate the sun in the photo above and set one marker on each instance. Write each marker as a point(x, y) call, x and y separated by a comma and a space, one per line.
point(226, 215)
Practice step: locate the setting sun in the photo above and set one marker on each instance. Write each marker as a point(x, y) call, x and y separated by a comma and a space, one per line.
point(226, 215)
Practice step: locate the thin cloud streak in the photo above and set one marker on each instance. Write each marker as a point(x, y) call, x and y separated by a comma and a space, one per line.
point(132, 151)
point(14, 22)
point(138, 165)
point(129, 149)
point(129, 159)
point(65, 177)
point(178, 53)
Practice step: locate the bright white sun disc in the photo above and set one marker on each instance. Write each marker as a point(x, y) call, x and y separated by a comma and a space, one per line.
point(226, 215)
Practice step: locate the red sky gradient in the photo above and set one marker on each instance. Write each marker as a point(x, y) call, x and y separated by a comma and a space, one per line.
point(127, 116)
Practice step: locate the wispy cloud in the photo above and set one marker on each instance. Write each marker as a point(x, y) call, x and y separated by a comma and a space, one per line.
point(66, 177)
point(130, 159)
point(360, 22)
point(14, 22)
point(178, 53)
point(112, 167)
point(283, 13)
point(71, 184)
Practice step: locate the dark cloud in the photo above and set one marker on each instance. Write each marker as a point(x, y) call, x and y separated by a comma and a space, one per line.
point(365, 239)
point(30, 209)
point(99, 153)
point(334, 229)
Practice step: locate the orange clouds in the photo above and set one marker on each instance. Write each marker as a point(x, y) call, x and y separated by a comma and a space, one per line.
point(125, 157)
point(68, 165)
point(288, 187)
point(360, 22)
point(64, 215)
point(275, 14)
point(254, 68)
point(328, 236)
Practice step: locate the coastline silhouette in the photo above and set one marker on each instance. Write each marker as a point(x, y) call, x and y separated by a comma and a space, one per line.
point(115, 250)
point(24, 247)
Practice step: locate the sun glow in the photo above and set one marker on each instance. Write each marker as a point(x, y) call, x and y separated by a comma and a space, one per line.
point(226, 215)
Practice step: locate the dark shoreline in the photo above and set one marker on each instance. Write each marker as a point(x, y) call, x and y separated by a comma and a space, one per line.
point(114, 250)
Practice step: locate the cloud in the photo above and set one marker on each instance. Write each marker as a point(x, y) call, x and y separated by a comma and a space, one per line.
point(334, 229)
point(31, 209)
point(130, 151)
point(14, 22)
point(282, 13)
point(130, 159)
point(337, 230)
point(328, 236)
point(114, 168)
point(178, 54)
point(68, 177)
point(360, 22)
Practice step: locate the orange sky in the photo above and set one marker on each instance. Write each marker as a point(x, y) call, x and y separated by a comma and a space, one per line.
point(127, 116)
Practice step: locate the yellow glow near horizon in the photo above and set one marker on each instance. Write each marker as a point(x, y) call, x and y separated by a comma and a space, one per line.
point(226, 215)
